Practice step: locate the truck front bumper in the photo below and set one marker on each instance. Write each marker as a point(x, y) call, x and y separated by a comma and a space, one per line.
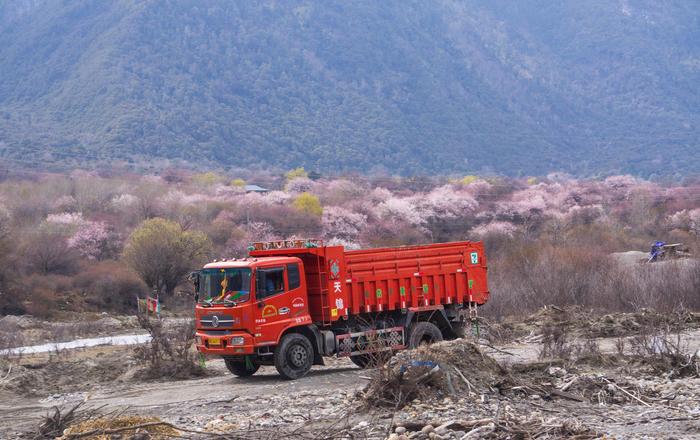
point(231, 344)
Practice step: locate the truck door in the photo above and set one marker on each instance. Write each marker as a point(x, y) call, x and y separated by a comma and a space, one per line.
point(280, 301)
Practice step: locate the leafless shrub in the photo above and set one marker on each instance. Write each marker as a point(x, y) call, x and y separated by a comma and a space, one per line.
point(666, 353)
point(10, 338)
point(108, 285)
point(381, 355)
point(587, 348)
point(555, 343)
point(58, 419)
point(170, 352)
point(558, 344)
point(499, 332)
point(47, 251)
point(620, 346)
point(667, 286)
point(67, 331)
point(528, 275)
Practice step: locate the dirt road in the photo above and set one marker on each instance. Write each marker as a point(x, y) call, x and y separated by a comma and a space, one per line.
point(195, 403)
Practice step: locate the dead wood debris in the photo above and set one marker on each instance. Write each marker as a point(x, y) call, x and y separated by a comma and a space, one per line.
point(79, 422)
point(58, 419)
point(428, 373)
point(508, 426)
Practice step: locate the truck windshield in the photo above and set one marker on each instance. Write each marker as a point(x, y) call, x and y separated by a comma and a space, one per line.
point(224, 285)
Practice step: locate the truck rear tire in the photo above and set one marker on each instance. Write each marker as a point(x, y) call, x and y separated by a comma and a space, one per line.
point(294, 356)
point(423, 332)
point(361, 360)
point(241, 368)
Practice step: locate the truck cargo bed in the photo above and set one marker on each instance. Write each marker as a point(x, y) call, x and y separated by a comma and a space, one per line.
point(343, 283)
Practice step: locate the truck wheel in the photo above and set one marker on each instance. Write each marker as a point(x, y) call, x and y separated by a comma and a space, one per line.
point(371, 360)
point(294, 356)
point(241, 368)
point(423, 333)
point(361, 360)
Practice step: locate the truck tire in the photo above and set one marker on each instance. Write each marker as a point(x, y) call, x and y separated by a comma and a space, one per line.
point(361, 360)
point(294, 356)
point(241, 368)
point(423, 332)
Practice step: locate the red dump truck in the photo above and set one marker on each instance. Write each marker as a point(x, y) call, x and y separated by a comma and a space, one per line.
point(292, 302)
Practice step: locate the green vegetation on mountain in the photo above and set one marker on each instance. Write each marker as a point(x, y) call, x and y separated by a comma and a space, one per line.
point(410, 87)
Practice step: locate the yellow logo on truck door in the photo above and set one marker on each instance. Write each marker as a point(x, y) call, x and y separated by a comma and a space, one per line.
point(269, 311)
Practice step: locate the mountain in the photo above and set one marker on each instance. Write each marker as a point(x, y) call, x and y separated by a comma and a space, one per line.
point(408, 87)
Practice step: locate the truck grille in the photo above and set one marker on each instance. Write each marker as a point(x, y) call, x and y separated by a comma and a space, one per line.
point(217, 321)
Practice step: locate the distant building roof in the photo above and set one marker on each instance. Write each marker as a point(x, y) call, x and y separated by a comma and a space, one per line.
point(256, 188)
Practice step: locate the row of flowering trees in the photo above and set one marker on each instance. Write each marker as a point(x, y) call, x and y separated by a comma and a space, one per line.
point(62, 227)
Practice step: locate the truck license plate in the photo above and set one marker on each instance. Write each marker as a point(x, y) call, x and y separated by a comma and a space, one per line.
point(214, 341)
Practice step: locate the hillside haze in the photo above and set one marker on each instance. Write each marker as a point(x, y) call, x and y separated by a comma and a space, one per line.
point(409, 87)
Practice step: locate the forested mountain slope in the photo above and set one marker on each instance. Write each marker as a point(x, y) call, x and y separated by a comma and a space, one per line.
point(409, 87)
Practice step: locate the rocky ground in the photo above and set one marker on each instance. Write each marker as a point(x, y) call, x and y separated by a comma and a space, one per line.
point(548, 376)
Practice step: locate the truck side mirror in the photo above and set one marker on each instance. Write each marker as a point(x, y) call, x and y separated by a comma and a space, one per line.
point(194, 277)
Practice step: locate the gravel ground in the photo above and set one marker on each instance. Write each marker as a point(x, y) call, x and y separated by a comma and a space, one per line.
point(325, 403)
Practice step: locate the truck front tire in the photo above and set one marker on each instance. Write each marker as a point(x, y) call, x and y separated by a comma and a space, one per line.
point(423, 332)
point(294, 356)
point(241, 368)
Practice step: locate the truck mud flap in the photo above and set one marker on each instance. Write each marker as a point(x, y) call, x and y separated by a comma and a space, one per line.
point(371, 341)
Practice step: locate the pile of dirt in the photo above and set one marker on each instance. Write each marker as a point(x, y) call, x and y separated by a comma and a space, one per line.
point(63, 374)
point(432, 372)
point(625, 324)
point(21, 322)
point(553, 315)
point(107, 428)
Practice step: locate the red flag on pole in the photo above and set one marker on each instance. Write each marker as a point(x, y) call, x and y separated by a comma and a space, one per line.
point(153, 305)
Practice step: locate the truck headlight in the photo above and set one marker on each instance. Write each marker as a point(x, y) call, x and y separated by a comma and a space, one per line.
point(237, 340)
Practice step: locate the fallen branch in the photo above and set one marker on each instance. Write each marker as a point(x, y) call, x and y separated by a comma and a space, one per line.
point(480, 430)
point(450, 387)
point(627, 392)
point(469, 385)
point(495, 349)
point(102, 431)
point(566, 395)
point(568, 384)
point(224, 400)
point(9, 370)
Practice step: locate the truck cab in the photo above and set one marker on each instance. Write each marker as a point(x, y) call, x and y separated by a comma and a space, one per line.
point(245, 305)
